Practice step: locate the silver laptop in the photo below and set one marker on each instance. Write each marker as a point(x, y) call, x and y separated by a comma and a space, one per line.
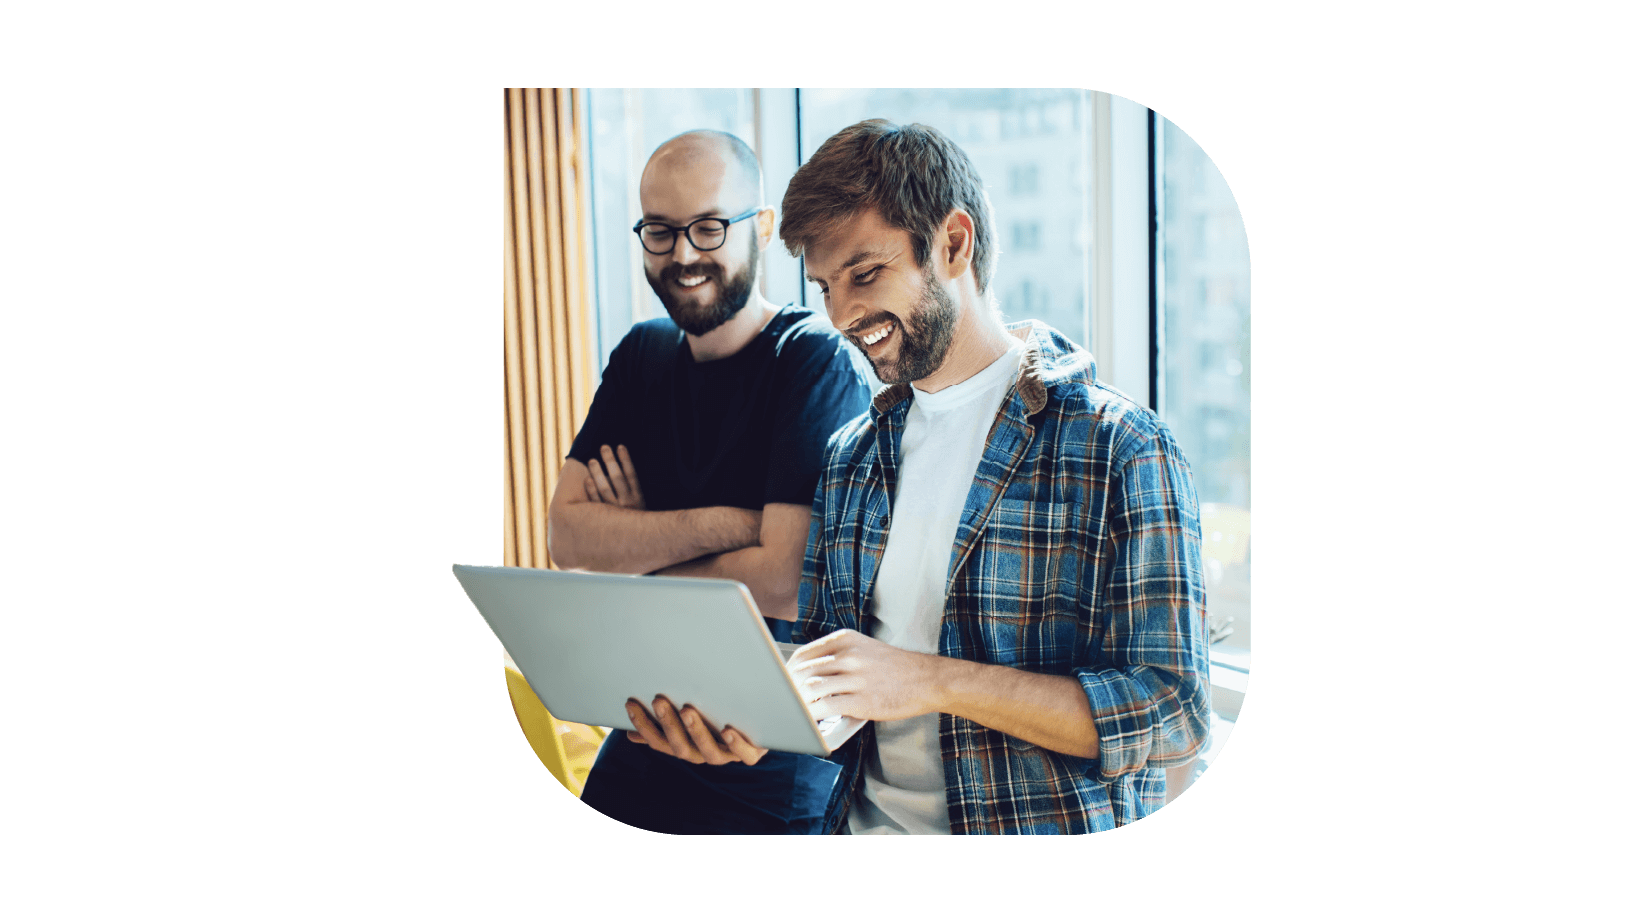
point(588, 642)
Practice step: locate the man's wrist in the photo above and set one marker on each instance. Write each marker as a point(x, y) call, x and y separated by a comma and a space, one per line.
point(943, 682)
point(1044, 709)
point(717, 529)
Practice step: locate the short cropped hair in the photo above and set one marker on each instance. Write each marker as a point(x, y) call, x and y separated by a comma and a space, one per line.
point(913, 175)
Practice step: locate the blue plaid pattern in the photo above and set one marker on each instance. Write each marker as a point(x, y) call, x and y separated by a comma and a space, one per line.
point(1079, 553)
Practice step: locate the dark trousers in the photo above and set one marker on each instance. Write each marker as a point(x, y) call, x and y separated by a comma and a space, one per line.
point(783, 793)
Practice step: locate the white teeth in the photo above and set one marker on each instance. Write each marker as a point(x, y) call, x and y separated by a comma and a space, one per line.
point(877, 337)
point(691, 281)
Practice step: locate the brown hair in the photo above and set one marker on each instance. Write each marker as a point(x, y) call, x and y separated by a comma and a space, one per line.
point(913, 175)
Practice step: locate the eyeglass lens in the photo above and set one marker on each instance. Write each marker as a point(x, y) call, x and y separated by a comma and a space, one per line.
point(705, 234)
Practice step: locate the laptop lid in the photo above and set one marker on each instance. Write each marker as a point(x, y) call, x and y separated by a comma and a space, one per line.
point(588, 642)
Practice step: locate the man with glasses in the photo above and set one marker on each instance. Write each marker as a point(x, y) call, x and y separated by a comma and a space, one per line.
point(699, 457)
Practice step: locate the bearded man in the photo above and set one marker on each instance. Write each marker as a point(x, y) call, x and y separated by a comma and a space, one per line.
point(699, 457)
point(1004, 571)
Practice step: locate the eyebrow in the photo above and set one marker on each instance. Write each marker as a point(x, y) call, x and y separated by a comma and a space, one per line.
point(859, 257)
point(713, 212)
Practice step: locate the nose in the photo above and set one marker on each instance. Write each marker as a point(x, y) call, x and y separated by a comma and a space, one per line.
point(842, 314)
point(835, 311)
point(683, 251)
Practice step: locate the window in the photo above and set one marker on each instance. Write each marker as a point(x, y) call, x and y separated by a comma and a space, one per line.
point(1034, 150)
point(1114, 227)
point(1027, 236)
point(1206, 364)
point(627, 125)
point(1022, 179)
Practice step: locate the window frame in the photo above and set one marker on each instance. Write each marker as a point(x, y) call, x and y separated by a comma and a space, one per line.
point(1123, 282)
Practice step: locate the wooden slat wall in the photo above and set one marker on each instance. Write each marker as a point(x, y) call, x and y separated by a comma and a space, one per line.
point(550, 363)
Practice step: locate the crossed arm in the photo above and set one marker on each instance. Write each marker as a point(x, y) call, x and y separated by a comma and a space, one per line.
point(598, 521)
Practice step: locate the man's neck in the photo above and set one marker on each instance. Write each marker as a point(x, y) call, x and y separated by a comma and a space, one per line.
point(732, 335)
point(978, 340)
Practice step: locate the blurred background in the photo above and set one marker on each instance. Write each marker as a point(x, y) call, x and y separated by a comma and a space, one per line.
point(1113, 226)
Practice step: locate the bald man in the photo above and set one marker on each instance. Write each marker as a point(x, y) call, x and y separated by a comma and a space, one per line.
point(699, 457)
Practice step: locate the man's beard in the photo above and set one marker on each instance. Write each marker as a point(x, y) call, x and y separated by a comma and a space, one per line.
point(700, 319)
point(925, 336)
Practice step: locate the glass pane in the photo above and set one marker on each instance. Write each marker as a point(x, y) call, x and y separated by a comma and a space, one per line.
point(1207, 365)
point(1033, 148)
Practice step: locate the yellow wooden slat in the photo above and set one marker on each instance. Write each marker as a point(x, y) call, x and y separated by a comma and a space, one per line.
point(527, 331)
point(509, 538)
point(572, 142)
point(559, 372)
point(543, 223)
point(518, 465)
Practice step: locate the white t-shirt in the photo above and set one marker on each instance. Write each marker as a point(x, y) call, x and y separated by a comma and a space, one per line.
point(944, 439)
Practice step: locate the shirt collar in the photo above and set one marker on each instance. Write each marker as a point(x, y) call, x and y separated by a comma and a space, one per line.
point(1031, 386)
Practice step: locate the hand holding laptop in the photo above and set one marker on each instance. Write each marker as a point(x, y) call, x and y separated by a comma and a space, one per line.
point(685, 734)
point(598, 649)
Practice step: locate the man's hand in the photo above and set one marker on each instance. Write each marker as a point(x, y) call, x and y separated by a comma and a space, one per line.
point(848, 673)
point(687, 736)
point(614, 533)
point(852, 674)
point(615, 481)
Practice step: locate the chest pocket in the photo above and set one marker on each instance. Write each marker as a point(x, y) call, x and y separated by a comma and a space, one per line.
point(1029, 526)
point(1030, 568)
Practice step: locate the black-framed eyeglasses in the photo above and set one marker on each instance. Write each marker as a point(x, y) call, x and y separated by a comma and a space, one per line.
point(704, 233)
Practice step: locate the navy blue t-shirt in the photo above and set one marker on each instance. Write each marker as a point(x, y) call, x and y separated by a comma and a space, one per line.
point(746, 430)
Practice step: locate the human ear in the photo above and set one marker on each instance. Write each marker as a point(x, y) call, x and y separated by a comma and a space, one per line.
point(765, 228)
point(957, 243)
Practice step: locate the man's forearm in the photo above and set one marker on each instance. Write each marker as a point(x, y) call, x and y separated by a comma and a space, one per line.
point(850, 673)
point(773, 584)
point(1046, 710)
point(603, 537)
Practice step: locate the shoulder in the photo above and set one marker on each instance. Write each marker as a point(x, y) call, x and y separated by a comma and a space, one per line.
point(808, 351)
point(644, 349)
point(847, 450)
point(651, 336)
point(849, 445)
point(800, 334)
point(1078, 403)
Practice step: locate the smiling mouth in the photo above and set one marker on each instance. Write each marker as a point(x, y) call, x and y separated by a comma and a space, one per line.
point(690, 282)
point(877, 334)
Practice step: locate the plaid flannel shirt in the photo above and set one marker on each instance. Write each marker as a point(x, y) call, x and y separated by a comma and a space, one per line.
point(1078, 553)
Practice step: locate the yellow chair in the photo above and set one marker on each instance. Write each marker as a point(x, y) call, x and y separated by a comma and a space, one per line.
point(566, 749)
